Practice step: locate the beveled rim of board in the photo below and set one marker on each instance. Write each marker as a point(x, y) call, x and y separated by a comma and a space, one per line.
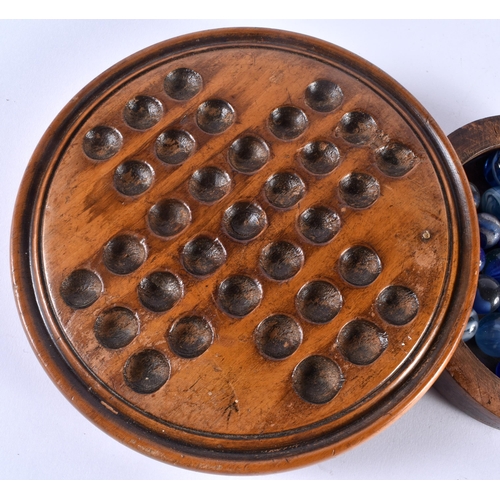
point(28, 289)
point(467, 382)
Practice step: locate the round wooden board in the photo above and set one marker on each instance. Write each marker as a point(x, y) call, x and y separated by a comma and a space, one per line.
point(244, 250)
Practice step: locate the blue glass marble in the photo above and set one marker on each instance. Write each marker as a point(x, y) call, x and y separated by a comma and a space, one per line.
point(472, 326)
point(482, 260)
point(490, 201)
point(475, 194)
point(482, 240)
point(492, 169)
point(489, 230)
point(488, 335)
point(492, 265)
point(487, 295)
point(497, 370)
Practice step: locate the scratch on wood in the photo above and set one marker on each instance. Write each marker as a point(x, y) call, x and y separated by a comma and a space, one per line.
point(233, 407)
point(110, 408)
point(189, 388)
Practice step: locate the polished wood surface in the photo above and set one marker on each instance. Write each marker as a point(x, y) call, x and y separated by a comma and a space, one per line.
point(467, 382)
point(243, 251)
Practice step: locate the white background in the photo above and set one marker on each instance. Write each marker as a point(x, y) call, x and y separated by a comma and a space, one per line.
point(451, 67)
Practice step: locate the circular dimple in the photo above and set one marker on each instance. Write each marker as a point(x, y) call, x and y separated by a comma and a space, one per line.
point(281, 260)
point(133, 177)
point(324, 95)
point(244, 220)
point(182, 84)
point(239, 295)
point(287, 122)
point(209, 184)
point(278, 336)
point(116, 327)
point(203, 255)
point(317, 379)
point(360, 265)
point(215, 116)
point(190, 337)
point(357, 127)
point(319, 224)
point(319, 157)
point(361, 342)
point(101, 142)
point(284, 189)
point(248, 154)
point(169, 217)
point(160, 291)
point(397, 305)
point(123, 254)
point(146, 371)
point(318, 302)
point(142, 112)
point(359, 190)
point(81, 289)
point(174, 146)
point(395, 159)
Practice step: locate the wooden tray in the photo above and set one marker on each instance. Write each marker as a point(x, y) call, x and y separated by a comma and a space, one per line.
point(467, 382)
point(244, 250)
